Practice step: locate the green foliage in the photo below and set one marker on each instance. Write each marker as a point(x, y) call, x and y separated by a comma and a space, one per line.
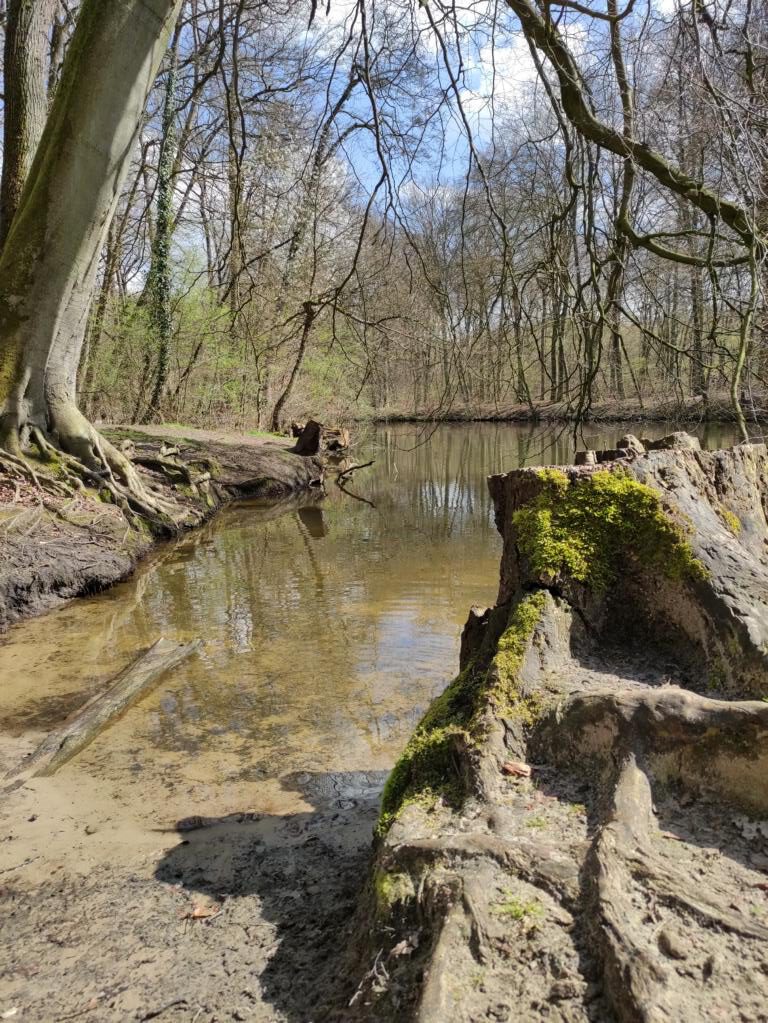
point(265, 434)
point(326, 382)
point(589, 529)
point(518, 909)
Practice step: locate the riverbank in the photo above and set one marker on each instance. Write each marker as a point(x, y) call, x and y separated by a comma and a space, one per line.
point(54, 548)
point(119, 901)
point(201, 860)
point(682, 411)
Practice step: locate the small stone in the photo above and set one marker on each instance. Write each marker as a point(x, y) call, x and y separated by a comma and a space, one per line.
point(672, 944)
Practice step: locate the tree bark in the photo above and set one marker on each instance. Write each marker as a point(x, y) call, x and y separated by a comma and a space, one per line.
point(50, 260)
point(25, 98)
point(573, 820)
point(160, 272)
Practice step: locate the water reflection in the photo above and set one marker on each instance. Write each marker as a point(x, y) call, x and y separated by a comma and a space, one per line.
point(328, 626)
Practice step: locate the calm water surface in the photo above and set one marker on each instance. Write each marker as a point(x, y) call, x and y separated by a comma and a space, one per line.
point(328, 628)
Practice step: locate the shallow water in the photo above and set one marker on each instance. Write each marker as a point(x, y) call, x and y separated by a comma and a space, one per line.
point(328, 627)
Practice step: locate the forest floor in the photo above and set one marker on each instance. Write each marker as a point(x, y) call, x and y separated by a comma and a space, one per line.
point(53, 549)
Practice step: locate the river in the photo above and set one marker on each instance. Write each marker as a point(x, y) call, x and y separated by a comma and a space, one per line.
point(327, 629)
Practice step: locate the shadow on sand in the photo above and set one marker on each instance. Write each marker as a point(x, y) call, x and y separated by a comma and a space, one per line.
point(305, 871)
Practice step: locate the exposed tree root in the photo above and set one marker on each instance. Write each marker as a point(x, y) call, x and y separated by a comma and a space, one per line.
point(90, 460)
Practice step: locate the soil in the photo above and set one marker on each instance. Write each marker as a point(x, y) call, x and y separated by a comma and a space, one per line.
point(52, 549)
point(109, 915)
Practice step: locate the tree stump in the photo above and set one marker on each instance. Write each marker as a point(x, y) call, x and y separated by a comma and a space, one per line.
point(580, 821)
point(309, 439)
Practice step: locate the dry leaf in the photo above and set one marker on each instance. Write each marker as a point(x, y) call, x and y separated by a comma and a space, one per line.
point(202, 911)
point(517, 769)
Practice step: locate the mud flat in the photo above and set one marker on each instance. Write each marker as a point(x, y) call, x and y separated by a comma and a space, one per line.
point(578, 829)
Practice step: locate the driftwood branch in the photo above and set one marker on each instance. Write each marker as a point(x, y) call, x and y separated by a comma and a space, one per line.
point(345, 474)
point(82, 728)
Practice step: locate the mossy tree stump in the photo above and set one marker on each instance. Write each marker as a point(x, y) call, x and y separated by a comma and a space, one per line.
point(576, 830)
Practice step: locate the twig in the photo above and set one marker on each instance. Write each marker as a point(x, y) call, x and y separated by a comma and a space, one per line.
point(353, 468)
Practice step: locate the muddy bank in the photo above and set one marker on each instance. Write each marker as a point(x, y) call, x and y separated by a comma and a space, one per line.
point(578, 829)
point(53, 549)
point(683, 411)
point(202, 919)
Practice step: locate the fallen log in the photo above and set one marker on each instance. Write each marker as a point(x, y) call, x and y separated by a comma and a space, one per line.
point(85, 724)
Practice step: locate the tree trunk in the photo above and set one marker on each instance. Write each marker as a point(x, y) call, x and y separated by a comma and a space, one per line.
point(310, 312)
point(50, 259)
point(160, 272)
point(25, 99)
point(548, 828)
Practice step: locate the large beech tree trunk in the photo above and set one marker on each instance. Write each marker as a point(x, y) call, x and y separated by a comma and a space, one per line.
point(49, 263)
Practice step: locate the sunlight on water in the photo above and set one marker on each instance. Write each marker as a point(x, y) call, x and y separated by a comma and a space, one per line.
point(328, 628)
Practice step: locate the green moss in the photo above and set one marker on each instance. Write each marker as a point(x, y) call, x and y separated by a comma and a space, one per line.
point(207, 464)
point(505, 667)
point(512, 644)
point(589, 529)
point(425, 773)
point(732, 521)
point(518, 909)
point(391, 889)
point(427, 770)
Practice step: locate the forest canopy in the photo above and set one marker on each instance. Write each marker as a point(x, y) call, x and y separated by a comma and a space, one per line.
point(377, 207)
